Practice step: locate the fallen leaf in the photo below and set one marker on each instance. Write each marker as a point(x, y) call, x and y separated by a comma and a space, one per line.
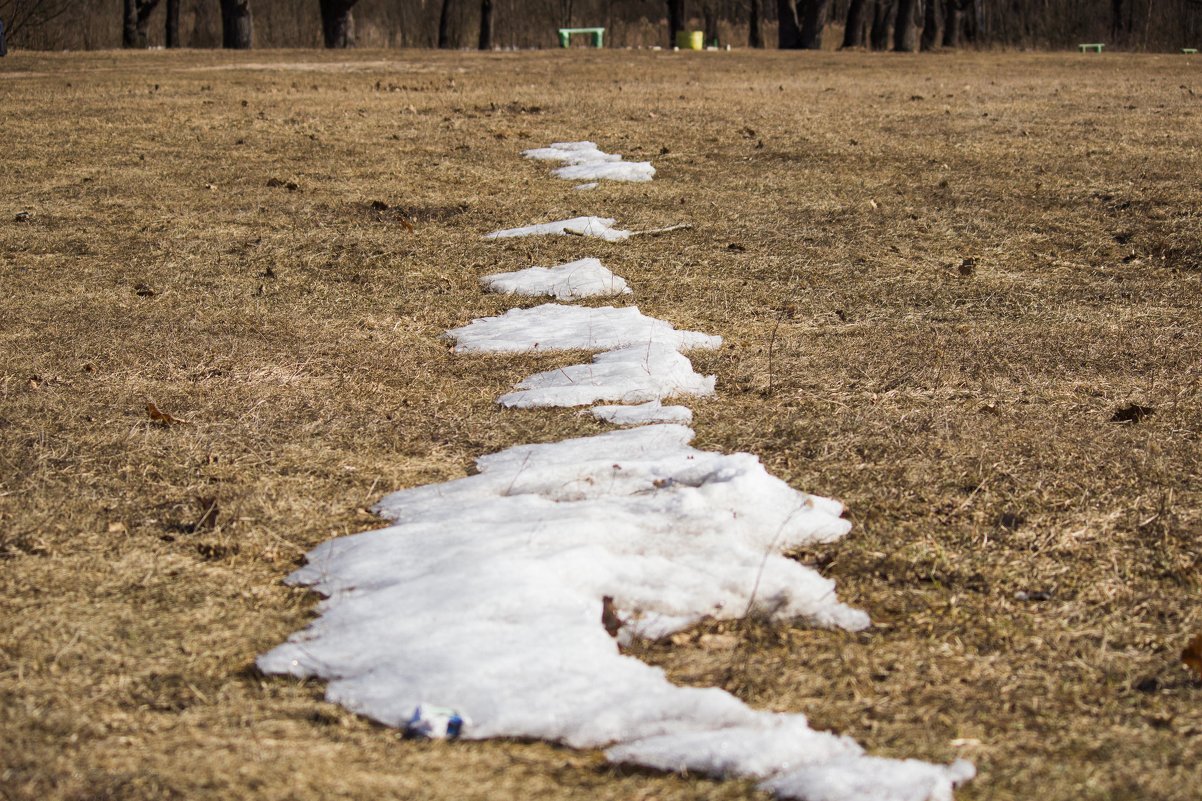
point(22, 216)
point(117, 528)
point(1192, 655)
point(144, 290)
point(163, 417)
point(968, 267)
point(718, 642)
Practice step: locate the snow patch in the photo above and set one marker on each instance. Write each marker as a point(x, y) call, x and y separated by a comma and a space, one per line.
point(631, 375)
point(599, 227)
point(643, 413)
point(485, 596)
point(554, 326)
point(577, 279)
point(584, 161)
point(586, 187)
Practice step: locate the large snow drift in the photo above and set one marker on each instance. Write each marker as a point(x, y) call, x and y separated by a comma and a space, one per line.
point(599, 227)
point(553, 326)
point(584, 161)
point(486, 596)
point(583, 278)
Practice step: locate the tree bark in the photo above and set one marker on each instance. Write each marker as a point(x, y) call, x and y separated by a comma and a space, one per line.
point(237, 25)
point(932, 25)
point(903, 27)
point(172, 32)
point(853, 31)
point(813, 22)
point(444, 26)
point(882, 20)
point(338, 23)
point(676, 20)
point(755, 23)
point(788, 34)
point(486, 24)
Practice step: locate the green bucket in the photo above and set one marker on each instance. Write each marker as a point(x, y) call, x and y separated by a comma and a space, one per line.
point(690, 40)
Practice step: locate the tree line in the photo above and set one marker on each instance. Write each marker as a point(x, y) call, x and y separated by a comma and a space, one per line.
point(901, 25)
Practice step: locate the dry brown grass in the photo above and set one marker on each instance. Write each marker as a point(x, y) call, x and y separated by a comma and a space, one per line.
point(965, 419)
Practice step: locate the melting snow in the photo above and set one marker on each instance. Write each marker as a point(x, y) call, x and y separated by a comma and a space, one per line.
point(558, 327)
point(649, 412)
point(599, 227)
point(584, 161)
point(486, 597)
point(636, 374)
point(578, 279)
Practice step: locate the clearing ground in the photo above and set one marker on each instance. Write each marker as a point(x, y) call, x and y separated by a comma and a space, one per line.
point(939, 278)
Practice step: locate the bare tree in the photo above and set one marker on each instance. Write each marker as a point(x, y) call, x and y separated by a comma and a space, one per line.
point(788, 32)
point(882, 24)
point(853, 29)
point(676, 20)
point(486, 24)
point(136, 30)
point(444, 25)
point(338, 23)
point(813, 22)
point(19, 14)
point(755, 23)
point(932, 25)
point(237, 25)
point(171, 35)
point(903, 26)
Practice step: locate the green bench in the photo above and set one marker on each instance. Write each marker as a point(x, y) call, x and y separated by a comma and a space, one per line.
point(1190, 51)
point(1085, 48)
point(597, 34)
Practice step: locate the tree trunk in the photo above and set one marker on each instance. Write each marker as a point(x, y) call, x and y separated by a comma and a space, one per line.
point(755, 24)
point(952, 20)
point(135, 30)
point(932, 24)
point(853, 32)
point(813, 22)
point(172, 33)
point(237, 25)
point(709, 16)
point(486, 24)
point(444, 26)
point(676, 20)
point(129, 25)
point(788, 34)
point(338, 23)
point(903, 27)
point(882, 20)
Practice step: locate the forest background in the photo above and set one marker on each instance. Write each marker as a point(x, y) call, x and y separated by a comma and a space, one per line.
point(518, 24)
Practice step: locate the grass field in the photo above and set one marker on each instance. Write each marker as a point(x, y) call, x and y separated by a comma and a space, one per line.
point(938, 277)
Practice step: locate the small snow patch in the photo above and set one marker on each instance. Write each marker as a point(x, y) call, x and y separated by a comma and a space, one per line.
point(584, 161)
point(586, 187)
point(643, 413)
point(557, 327)
point(599, 227)
point(578, 279)
point(632, 375)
